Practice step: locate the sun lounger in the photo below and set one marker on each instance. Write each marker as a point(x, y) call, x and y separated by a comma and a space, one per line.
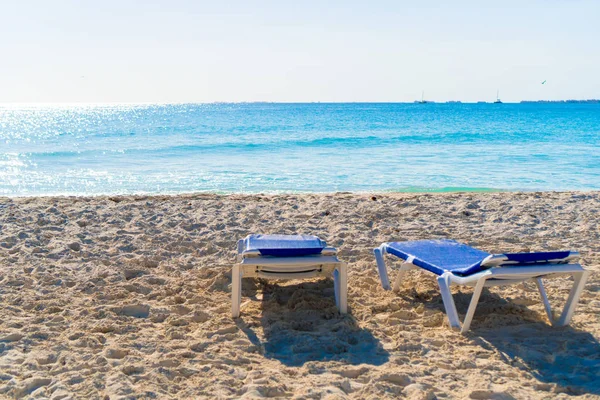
point(287, 257)
point(457, 263)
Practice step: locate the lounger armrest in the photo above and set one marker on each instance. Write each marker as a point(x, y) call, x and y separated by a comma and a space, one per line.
point(329, 251)
point(251, 254)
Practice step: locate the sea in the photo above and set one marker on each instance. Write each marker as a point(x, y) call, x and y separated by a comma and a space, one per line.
point(294, 148)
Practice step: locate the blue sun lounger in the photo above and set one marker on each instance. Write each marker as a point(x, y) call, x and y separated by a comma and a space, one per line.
point(287, 257)
point(456, 263)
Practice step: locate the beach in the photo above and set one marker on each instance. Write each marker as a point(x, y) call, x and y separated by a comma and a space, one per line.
point(129, 297)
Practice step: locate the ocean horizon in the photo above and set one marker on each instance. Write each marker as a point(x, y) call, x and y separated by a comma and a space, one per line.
point(262, 147)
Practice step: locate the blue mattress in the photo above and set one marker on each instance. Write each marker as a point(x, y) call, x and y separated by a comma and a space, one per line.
point(536, 258)
point(284, 245)
point(438, 256)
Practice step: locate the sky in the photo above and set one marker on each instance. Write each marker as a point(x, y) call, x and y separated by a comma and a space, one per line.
point(132, 51)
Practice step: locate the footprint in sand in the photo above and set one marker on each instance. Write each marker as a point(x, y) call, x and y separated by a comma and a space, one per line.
point(132, 369)
point(490, 395)
point(12, 337)
point(135, 310)
point(46, 359)
point(30, 385)
point(116, 354)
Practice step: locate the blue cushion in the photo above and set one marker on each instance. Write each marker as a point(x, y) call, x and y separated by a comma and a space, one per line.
point(438, 256)
point(536, 258)
point(284, 245)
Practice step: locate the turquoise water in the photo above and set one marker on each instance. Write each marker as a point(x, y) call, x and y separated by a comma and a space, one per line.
point(258, 147)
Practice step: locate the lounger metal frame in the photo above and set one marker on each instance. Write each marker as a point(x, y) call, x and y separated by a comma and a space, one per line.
point(494, 276)
point(251, 264)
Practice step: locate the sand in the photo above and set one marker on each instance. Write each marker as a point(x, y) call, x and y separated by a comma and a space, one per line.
point(129, 297)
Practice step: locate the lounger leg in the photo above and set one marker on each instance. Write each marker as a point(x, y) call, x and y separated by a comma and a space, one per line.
point(544, 296)
point(340, 281)
point(336, 286)
point(444, 283)
point(236, 290)
point(580, 279)
point(406, 266)
point(240, 249)
point(383, 276)
point(473, 305)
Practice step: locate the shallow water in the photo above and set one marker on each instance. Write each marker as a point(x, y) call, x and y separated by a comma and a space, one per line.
point(258, 147)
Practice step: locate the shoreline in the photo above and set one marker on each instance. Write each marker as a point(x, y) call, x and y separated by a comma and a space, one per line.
point(129, 296)
point(358, 193)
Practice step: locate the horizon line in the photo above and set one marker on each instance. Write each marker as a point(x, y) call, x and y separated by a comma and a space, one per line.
point(112, 103)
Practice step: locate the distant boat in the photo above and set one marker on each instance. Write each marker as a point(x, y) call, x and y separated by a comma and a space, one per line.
point(498, 101)
point(423, 101)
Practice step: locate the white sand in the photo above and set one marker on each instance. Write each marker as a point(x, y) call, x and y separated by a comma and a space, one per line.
point(129, 298)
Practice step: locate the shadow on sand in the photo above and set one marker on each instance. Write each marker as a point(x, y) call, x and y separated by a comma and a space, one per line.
point(301, 323)
point(565, 356)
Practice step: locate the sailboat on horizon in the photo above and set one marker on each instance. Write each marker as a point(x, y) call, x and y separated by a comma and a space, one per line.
point(423, 101)
point(498, 101)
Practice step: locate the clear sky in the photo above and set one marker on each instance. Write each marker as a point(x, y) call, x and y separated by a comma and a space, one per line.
point(313, 50)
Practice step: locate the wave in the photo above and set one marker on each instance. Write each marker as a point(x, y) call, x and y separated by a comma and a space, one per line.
point(166, 148)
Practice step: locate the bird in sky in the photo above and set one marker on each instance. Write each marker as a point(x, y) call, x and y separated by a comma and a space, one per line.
point(544, 81)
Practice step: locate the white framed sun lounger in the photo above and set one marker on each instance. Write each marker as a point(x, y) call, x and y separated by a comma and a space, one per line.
point(491, 270)
point(252, 264)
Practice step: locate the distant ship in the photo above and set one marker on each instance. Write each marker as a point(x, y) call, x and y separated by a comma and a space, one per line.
point(498, 101)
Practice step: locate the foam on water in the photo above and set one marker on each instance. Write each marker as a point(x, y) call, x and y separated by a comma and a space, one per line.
point(109, 149)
